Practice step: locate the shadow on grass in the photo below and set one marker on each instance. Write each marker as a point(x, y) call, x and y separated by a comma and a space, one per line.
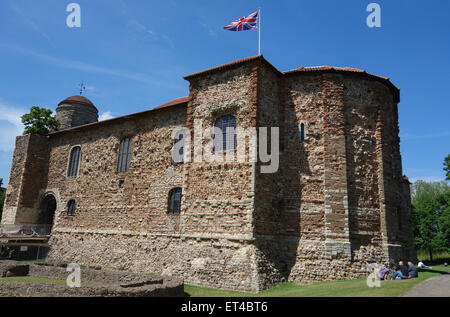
point(433, 271)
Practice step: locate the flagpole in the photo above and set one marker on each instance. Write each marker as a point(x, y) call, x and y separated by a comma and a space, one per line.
point(259, 31)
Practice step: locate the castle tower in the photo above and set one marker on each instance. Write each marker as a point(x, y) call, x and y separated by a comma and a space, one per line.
point(75, 111)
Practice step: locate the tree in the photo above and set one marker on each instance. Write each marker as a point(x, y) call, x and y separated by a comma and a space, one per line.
point(39, 121)
point(433, 189)
point(431, 216)
point(447, 167)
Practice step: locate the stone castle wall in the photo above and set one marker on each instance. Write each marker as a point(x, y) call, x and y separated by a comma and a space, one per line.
point(27, 179)
point(331, 208)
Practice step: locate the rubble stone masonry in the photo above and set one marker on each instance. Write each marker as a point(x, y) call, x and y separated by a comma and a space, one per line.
point(338, 201)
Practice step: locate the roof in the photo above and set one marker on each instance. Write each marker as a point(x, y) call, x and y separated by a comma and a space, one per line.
point(326, 68)
point(231, 65)
point(171, 104)
point(79, 100)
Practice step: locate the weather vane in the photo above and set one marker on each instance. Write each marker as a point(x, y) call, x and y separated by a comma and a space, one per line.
point(82, 88)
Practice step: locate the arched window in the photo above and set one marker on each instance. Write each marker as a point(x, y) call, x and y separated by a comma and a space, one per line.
point(71, 207)
point(175, 201)
point(227, 125)
point(123, 163)
point(74, 162)
point(302, 132)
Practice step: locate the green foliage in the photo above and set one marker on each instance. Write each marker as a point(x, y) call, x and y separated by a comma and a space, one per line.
point(432, 189)
point(447, 167)
point(439, 257)
point(39, 121)
point(431, 216)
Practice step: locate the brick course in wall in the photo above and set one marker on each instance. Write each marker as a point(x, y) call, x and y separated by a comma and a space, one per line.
point(332, 207)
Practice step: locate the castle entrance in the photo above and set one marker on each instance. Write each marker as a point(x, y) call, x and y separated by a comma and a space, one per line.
point(47, 210)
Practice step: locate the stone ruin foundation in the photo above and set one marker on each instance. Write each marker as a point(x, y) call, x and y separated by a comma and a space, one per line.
point(95, 282)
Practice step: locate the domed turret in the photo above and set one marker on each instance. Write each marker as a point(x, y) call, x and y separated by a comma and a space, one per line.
point(75, 111)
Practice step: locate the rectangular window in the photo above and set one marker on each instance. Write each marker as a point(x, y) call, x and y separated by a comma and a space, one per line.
point(123, 164)
point(74, 162)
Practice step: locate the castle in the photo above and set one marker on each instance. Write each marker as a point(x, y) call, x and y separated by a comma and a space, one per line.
point(115, 198)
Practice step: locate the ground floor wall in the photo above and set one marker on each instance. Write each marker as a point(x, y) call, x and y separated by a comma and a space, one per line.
point(244, 265)
point(217, 263)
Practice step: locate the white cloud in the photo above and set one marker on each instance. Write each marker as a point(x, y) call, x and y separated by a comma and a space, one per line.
point(30, 22)
point(105, 116)
point(10, 126)
point(82, 66)
point(211, 33)
point(141, 28)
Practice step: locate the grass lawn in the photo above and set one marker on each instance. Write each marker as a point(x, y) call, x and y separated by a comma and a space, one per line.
point(351, 288)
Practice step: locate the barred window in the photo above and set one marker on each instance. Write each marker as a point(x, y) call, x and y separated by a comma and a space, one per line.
point(71, 207)
point(123, 163)
point(175, 201)
point(227, 125)
point(74, 162)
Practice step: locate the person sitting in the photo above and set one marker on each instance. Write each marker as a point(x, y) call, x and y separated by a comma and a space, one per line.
point(401, 272)
point(412, 270)
point(383, 273)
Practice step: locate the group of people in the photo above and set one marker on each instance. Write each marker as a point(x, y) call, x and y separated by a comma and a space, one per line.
point(401, 272)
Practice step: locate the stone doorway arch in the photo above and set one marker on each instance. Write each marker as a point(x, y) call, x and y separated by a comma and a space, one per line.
point(47, 210)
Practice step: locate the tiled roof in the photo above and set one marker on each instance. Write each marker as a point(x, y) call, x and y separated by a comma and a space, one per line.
point(79, 100)
point(232, 64)
point(331, 68)
point(173, 103)
point(327, 68)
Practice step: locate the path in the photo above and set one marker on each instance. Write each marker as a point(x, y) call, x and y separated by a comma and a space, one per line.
point(438, 286)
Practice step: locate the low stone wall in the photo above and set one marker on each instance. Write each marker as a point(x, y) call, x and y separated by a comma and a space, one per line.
point(98, 283)
point(216, 263)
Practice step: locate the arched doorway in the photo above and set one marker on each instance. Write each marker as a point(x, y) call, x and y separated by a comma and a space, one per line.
point(47, 210)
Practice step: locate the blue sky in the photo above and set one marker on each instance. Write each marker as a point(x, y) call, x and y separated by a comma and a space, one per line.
point(132, 56)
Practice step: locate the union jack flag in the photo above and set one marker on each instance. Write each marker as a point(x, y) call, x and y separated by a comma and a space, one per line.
point(244, 24)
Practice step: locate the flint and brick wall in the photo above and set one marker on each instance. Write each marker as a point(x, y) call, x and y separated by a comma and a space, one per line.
point(331, 208)
point(27, 179)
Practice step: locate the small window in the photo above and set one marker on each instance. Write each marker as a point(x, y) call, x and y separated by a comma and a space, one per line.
point(302, 132)
point(175, 201)
point(399, 218)
point(71, 208)
point(124, 155)
point(74, 162)
point(227, 126)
